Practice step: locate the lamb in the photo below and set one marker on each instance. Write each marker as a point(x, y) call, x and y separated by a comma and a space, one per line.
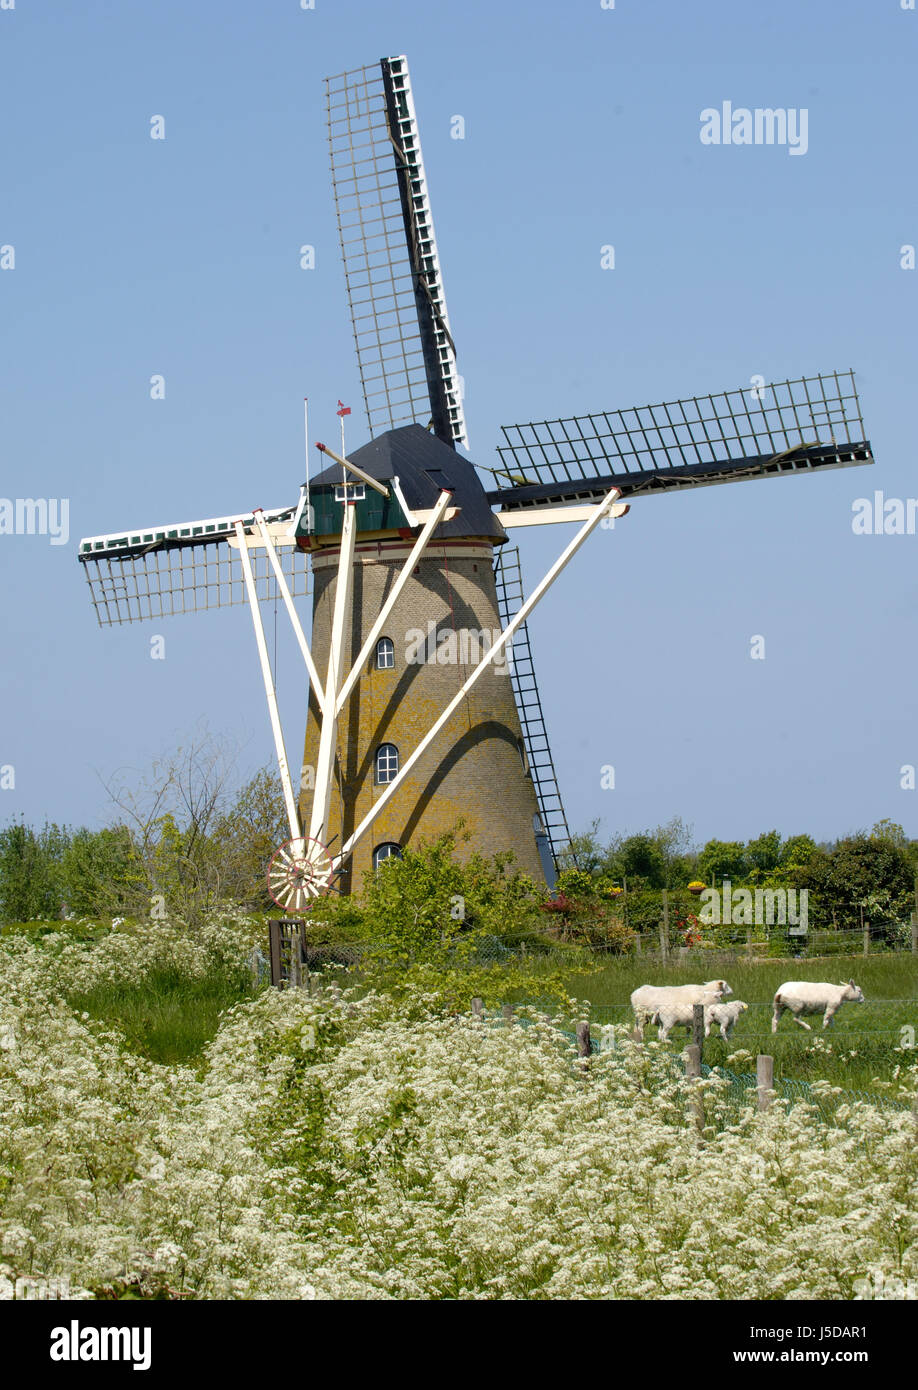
point(647, 999)
point(724, 1015)
point(680, 1013)
point(806, 997)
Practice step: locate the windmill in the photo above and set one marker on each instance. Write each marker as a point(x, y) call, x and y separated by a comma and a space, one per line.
point(423, 705)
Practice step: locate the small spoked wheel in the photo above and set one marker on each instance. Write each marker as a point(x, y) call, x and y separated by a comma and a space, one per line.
point(299, 871)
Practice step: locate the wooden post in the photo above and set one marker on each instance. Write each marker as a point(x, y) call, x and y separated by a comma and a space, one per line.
point(749, 941)
point(693, 1073)
point(764, 1080)
point(478, 1008)
point(584, 1044)
point(915, 933)
point(866, 926)
point(664, 928)
point(507, 1012)
point(698, 1028)
point(274, 937)
point(637, 944)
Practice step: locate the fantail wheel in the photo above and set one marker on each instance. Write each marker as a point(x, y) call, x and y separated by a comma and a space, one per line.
point(299, 871)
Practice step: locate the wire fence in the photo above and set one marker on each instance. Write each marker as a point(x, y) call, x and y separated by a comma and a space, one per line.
point(741, 1091)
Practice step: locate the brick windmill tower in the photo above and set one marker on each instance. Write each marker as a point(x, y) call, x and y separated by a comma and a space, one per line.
point(423, 706)
point(445, 618)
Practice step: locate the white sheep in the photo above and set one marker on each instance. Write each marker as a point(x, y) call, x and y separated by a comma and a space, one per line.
point(646, 999)
point(680, 1013)
point(724, 1015)
point(808, 997)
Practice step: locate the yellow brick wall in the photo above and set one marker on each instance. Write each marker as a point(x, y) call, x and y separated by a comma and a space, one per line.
point(473, 769)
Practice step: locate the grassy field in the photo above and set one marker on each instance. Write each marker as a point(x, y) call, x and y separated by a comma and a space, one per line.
point(170, 1017)
point(861, 1047)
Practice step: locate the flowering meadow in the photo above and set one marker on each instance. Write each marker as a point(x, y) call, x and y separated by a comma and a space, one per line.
point(348, 1144)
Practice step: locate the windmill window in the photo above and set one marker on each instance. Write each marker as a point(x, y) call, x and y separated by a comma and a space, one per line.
point(385, 654)
point(386, 763)
point(387, 851)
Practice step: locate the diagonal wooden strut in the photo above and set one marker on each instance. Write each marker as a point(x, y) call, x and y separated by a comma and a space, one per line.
point(405, 574)
point(293, 818)
point(540, 590)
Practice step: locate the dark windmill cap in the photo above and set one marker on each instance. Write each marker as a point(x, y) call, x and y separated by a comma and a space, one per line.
point(424, 466)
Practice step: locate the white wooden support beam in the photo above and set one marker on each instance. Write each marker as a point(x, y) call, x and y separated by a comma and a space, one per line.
point(407, 570)
point(518, 619)
point(293, 818)
point(345, 463)
point(549, 516)
point(292, 614)
point(341, 613)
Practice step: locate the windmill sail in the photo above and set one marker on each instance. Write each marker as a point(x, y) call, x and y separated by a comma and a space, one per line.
point(161, 571)
point(405, 351)
point(809, 424)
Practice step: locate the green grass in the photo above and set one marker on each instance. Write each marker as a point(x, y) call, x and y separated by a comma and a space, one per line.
point(863, 1040)
point(170, 1017)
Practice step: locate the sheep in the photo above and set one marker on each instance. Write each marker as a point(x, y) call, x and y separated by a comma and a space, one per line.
point(680, 1013)
point(806, 997)
point(646, 999)
point(724, 1015)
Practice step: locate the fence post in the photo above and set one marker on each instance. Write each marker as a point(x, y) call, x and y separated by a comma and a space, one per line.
point(664, 930)
point(507, 1012)
point(698, 1028)
point(915, 933)
point(478, 1008)
point(693, 1073)
point(867, 939)
point(584, 1044)
point(274, 937)
point(764, 1080)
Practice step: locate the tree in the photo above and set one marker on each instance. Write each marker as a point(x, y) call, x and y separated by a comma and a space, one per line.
point(861, 872)
point(641, 857)
point(247, 834)
point(722, 859)
point(100, 873)
point(797, 850)
point(171, 813)
point(764, 854)
point(677, 846)
point(891, 833)
point(584, 851)
point(30, 880)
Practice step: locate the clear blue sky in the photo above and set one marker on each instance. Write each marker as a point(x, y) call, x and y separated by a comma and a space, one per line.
point(180, 257)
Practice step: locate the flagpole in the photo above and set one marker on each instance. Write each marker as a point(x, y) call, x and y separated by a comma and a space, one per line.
point(306, 433)
point(342, 411)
